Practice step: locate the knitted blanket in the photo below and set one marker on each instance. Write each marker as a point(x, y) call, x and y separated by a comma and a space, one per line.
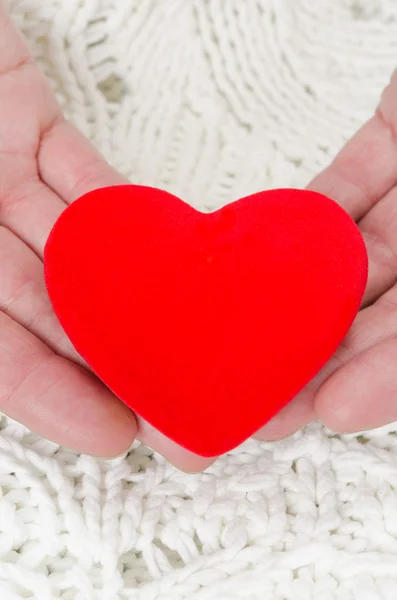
point(211, 100)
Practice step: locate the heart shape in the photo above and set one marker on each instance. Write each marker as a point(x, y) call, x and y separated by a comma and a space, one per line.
point(206, 325)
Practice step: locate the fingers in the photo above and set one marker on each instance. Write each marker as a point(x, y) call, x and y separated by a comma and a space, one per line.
point(27, 207)
point(71, 166)
point(362, 179)
point(300, 411)
point(181, 458)
point(58, 399)
point(379, 228)
point(362, 394)
point(379, 224)
point(28, 106)
point(364, 171)
point(67, 162)
point(23, 295)
point(373, 325)
point(295, 415)
point(13, 50)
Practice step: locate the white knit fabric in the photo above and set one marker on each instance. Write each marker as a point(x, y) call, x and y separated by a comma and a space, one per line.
point(210, 99)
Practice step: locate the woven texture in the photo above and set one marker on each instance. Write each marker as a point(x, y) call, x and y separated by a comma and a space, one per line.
point(211, 100)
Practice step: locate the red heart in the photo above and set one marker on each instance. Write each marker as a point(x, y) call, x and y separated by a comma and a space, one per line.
point(206, 325)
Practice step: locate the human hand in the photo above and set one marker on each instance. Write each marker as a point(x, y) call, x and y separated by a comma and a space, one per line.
point(44, 165)
point(357, 389)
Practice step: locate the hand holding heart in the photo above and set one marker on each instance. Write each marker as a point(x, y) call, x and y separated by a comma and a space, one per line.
point(49, 387)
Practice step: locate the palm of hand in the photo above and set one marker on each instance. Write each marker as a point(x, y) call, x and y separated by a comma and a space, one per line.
point(45, 164)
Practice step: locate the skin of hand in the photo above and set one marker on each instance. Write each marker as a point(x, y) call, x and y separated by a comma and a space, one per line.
point(45, 164)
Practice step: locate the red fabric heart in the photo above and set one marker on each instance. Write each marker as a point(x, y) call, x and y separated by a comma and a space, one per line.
point(206, 325)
